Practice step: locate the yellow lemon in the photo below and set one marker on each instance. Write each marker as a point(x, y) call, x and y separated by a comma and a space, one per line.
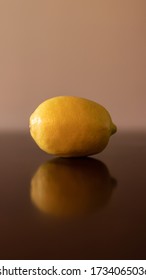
point(71, 126)
point(71, 187)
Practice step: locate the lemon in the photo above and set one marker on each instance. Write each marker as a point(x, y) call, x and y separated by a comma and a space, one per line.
point(70, 126)
point(71, 187)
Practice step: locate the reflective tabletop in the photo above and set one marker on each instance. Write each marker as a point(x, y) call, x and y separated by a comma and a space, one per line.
point(84, 208)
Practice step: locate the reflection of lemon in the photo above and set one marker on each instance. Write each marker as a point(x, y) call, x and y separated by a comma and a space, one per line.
point(67, 187)
point(71, 126)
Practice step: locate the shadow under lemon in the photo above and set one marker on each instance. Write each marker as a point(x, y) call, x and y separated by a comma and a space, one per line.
point(71, 187)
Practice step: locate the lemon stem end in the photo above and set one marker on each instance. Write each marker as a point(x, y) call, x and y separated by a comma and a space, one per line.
point(113, 129)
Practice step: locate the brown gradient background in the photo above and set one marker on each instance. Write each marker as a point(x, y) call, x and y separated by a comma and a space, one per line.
point(90, 48)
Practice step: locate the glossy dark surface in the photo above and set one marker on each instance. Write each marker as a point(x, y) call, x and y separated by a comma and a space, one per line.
point(106, 221)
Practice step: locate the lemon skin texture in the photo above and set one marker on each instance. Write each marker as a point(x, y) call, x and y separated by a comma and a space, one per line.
point(71, 187)
point(70, 126)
